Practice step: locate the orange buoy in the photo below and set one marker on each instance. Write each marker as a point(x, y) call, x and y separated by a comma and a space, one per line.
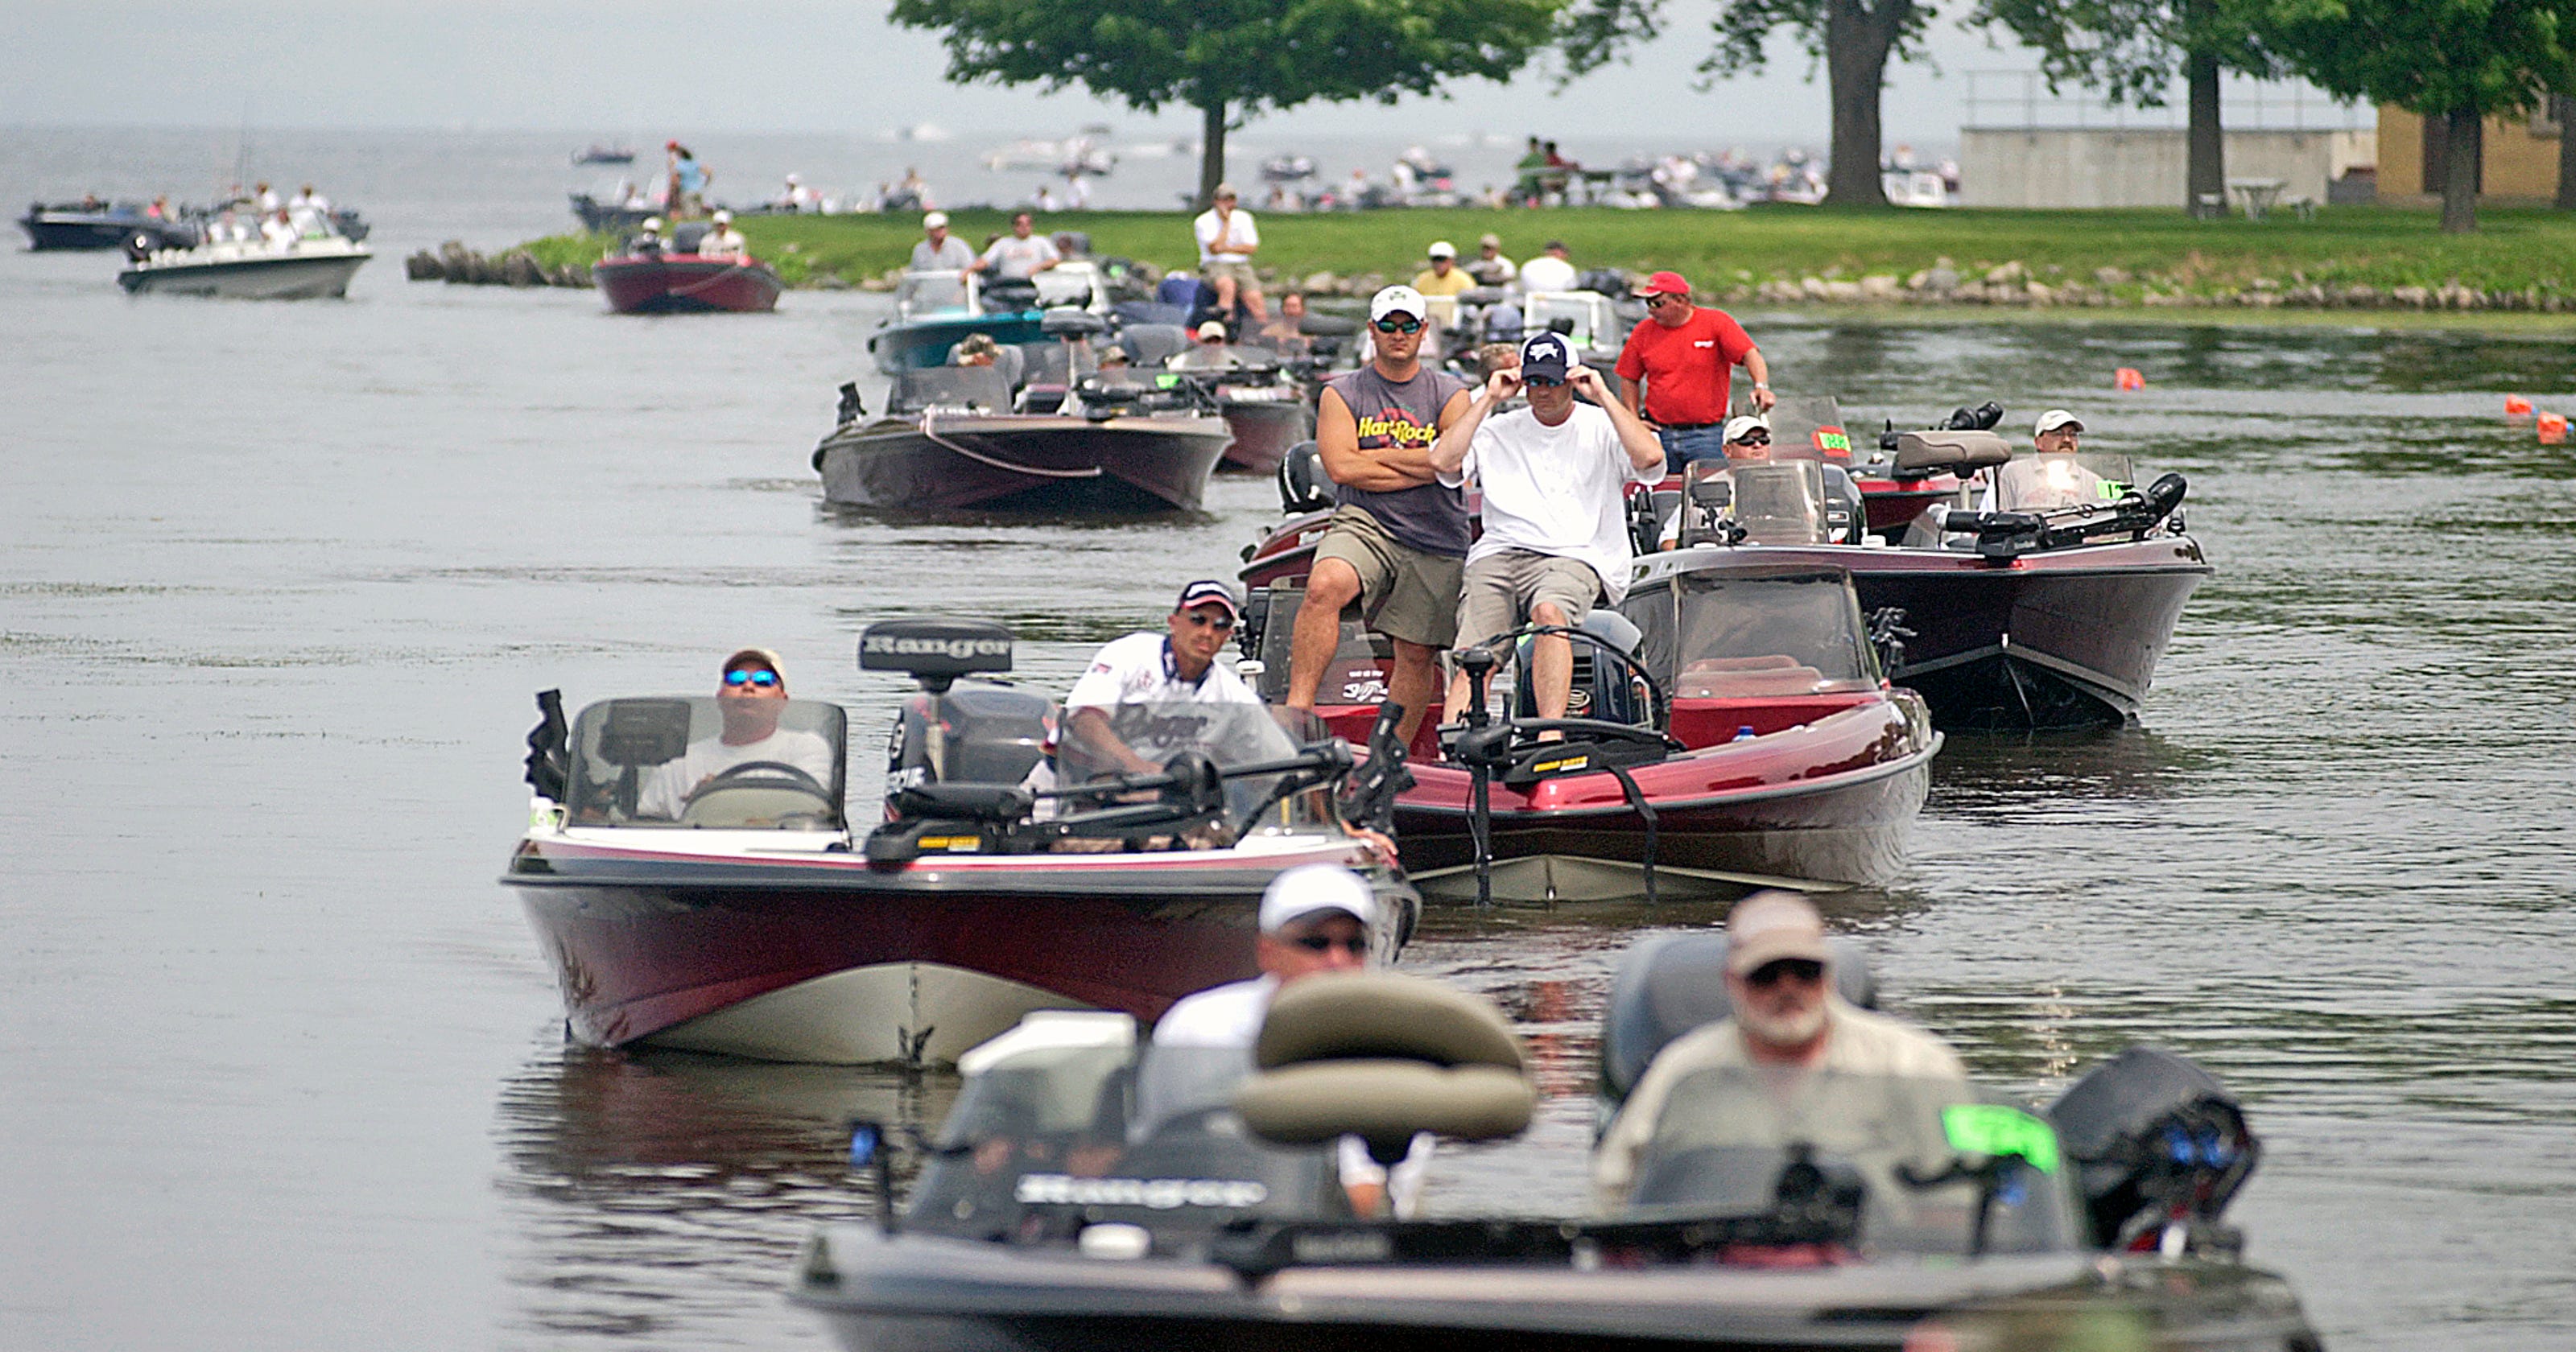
point(2553, 428)
point(2128, 378)
point(2515, 406)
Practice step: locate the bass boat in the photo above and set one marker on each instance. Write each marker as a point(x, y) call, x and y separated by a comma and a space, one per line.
point(694, 881)
point(1089, 1192)
point(1038, 431)
point(685, 283)
point(1729, 727)
point(935, 310)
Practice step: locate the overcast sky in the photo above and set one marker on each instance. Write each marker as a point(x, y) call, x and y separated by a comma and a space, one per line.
point(647, 67)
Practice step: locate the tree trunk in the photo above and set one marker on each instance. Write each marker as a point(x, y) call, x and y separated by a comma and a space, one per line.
point(1211, 151)
point(2464, 153)
point(1857, 41)
point(2204, 193)
point(2565, 109)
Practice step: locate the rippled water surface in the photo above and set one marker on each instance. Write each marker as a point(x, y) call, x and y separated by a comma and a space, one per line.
point(277, 582)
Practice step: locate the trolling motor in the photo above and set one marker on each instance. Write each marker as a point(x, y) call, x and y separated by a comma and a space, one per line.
point(2005, 536)
point(1482, 744)
point(549, 748)
point(1368, 796)
point(1887, 634)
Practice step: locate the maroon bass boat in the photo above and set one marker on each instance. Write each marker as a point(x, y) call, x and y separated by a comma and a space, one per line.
point(1730, 728)
point(693, 880)
point(685, 283)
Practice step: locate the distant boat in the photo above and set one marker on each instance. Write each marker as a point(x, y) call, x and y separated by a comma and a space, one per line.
point(312, 268)
point(600, 154)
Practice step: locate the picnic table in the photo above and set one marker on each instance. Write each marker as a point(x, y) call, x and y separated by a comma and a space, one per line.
point(2256, 195)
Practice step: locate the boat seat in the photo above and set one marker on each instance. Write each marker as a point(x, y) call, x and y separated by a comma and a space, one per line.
point(983, 387)
point(1385, 1057)
point(1922, 454)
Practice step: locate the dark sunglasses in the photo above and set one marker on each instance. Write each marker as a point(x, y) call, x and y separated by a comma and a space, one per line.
point(1404, 325)
point(1754, 439)
point(1806, 971)
point(759, 676)
point(1219, 623)
point(1356, 945)
point(1541, 382)
point(1662, 296)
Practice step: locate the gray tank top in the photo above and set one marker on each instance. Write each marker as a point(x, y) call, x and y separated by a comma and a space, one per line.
point(1427, 517)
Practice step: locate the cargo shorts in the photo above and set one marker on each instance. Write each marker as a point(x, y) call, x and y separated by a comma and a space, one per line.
point(1502, 589)
point(1404, 592)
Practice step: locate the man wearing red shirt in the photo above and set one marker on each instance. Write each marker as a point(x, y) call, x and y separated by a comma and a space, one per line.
point(1684, 358)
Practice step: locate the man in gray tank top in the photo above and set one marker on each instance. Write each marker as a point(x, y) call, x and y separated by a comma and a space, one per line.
point(1397, 544)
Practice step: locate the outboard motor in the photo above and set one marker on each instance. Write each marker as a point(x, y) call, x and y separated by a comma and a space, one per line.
point(1668, 985)
point(1302, 485)
point(2160, 1148)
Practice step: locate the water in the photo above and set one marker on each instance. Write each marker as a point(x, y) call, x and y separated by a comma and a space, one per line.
point(277, 583)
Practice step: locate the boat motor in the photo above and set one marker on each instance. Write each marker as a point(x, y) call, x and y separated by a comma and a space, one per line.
point(549, 748)
point(2160, 1148)
point(1302, 485)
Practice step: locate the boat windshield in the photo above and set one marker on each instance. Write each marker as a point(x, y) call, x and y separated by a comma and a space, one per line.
point(1734, 635)
point(749, 764)
point(2032, 482)
point(935, 293)
point(1809, 427)
point(1132, 739)
point(1926, 1151)
point(1587, 316)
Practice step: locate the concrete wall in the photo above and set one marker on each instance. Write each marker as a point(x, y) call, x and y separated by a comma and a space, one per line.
point(2138, 166)
point(2520, 157)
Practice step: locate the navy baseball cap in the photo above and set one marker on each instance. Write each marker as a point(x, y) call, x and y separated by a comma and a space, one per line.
point(1208, 592)
point(1546, 356)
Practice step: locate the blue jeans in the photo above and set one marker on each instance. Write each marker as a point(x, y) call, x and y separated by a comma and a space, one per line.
point(1683, 445)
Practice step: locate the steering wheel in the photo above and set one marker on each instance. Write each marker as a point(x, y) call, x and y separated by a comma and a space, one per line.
point(1627, 664)
point(794, 778)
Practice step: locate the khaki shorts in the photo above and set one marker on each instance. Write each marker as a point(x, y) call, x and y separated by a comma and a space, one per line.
point(1502, 589)
point(1232, 266)
point(1404, 592)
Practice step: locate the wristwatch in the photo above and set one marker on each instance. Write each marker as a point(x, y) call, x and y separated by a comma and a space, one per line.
point(1761, 384)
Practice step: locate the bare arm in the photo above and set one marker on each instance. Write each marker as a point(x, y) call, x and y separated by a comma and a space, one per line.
point(1645, 450)
point(1760, 370)
point(1385, 469)
point(1449, 452)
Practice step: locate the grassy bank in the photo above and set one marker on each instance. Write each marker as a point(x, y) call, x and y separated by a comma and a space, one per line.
point(2121, 257)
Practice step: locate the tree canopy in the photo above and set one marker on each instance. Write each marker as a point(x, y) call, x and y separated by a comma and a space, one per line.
point(1233, 59)
point(2457, 60)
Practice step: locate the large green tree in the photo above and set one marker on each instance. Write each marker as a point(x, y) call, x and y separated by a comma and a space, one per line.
point(1233, 59)
point(1853, 38)
point(2130, 51)
point(2455, 61)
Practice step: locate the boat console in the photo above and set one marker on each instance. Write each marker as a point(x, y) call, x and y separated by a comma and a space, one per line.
point(694, 762)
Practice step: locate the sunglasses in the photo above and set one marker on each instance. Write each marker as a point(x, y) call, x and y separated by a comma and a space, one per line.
point(759, 676)
point(1541, 382)
point(1754, 439)
point(1663, 297)
point(1805, 971)
point(1356, 945)
point(1219, 623)
point(1404, 325)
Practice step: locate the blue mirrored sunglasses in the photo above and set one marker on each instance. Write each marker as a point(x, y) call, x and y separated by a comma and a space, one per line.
point(759, 676)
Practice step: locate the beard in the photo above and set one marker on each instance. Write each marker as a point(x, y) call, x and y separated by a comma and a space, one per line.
point(1795, 1028)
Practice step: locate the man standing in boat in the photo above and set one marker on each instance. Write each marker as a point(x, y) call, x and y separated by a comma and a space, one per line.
point(1227, 240)
point(1397, 543)
point(1555, 479)
point(1314, 918)
point(1682, 363)
point(750, 695)
point(938, 250)
point(1021, 254)
point(1786, 1018)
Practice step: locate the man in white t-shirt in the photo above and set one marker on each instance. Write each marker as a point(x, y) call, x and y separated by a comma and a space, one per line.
point(1555, 477)
point(1314, 918)
point(1550, 271)
point(1021, 254)
point(1227, 238)
point(722, 240)
point(751, 694)
point(1178, 666)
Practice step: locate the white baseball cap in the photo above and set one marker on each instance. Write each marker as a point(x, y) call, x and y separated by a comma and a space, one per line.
point(1398, 300)
point(934, 220)
point(724, 218)
point(1742, 423)
point(2056, 418)
point(1311, 888)
point(1441, 248)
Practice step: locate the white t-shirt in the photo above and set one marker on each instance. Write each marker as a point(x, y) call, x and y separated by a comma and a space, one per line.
point(1237, 229)
point(1547, 272)
point(1230, 1016)
point(1558, 491)
point(667, 786)
point(725, 243)
point(1139, 669)
point(1014, 257)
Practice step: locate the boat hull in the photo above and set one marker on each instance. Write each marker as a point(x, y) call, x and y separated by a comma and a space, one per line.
point(1828, 803)
point(1022, 462)
point(86, 230)
point(288, 277)
point(822, 957)
point(686, 284)
point(1264, 430)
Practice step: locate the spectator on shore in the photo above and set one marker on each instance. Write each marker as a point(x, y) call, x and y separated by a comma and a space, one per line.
point(1444, 277)
point(1681, 361)
point(1552, 270)
point(1227, 239)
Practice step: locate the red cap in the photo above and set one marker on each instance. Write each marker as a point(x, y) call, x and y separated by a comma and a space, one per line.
point(1665, 284)
point(670, 145)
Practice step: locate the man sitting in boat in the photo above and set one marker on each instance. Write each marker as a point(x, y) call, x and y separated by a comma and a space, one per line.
point(278, 232)
point(976, 349)
point(1209, 353)
point(940, 251)
point(722, 240)
point(1021, 254)
point(1284, 332)
point(1786, 1019)
point(2048, 480)
point(751, 693)
point(1178, 666)
point(1555, 477)
point(1314, 918)
point(649, 242)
